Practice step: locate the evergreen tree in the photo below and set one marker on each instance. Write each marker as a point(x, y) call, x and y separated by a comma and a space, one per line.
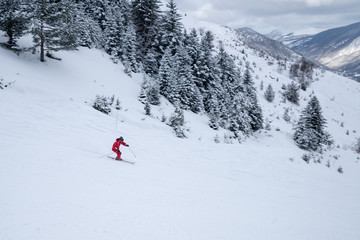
point(292, 93)
point(170, 29)
point(13, 20)
point(205, 74)
point(89, 31)
point(53, 25)
point(166, 71)
point(189, 95)
point(129, 49)
point(146, 16)
point(177, 122)
point(147, 108)
point(269, 93)
point(253, 108)
point(114, 30)
point(309, 131)
point(192, 46)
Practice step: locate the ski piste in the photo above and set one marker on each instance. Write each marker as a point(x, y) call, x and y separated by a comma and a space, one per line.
point(122, 160)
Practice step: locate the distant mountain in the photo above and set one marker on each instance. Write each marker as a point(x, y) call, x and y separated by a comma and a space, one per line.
point(337, 48)
point(291, 40)
point(264, 44)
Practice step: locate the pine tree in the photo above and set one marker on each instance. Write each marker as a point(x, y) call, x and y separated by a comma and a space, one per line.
point(177, 122)
point(292, 93)
point(205, 75)
point(89, 31)
point(309, 131)
point(53, 25)
point(13, 20)
point(170, 28)
point(114, 30)
point(146, 16)
point(253, 108)
point(129, 49)
point(189, 95)
point(147, 108)
point(269, 93)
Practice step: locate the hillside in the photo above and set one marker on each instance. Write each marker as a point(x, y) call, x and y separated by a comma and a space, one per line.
point(337, 48)
point(55, 184)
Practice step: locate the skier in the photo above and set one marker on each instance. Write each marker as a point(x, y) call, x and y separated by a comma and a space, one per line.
point(116, 147)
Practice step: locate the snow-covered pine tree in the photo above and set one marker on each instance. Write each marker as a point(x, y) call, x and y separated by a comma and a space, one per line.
point(253, 108)
point(165, 72)
point(53, 25)
point(90, 33)
point(192, 45)
point(147, 108)
point(153, 94)
point(13, 20)
point(146, 16)
point(114, 30)
point(292, 93)
point(96, 10)
point(177, 122)
point(189, 95)
point(309, 131)
point(170, 29)
point(204, 75)
point(269, 93)
point(129, 49)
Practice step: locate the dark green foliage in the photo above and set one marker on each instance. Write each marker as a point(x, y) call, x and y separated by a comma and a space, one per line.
point(269, 93)
point(177, 122)
point(309, 131)
point(53, 25)
point(13, 20)
point(102, 104)
point(292, 93)
point(147, 108)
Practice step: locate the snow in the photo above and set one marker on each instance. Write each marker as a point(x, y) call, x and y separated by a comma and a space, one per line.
point(56, 185)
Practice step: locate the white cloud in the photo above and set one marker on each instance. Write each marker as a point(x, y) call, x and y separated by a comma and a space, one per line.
point(317, 3)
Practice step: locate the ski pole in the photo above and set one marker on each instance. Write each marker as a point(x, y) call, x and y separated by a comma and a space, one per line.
point(105, 155)
point(132, 152)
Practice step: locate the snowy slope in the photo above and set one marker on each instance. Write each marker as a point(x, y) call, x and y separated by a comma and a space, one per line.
point(55, 185)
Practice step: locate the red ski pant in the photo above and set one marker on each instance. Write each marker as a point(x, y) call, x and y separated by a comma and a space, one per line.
point(118, 154)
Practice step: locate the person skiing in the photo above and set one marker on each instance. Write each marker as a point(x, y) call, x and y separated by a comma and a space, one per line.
point(116, 147)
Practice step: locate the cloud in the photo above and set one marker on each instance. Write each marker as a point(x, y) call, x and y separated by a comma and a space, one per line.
point(317, 3)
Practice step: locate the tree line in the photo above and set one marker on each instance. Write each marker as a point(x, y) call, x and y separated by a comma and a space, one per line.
point(182, 66)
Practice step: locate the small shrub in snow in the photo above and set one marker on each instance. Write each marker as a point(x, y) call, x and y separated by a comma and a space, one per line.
point(102, 104)
point(163, 118)
point(4, 85)
point(292, 93)
point(357, 146)
point(177, 122)
point(147, 108)
point(269, 93)
point(118, 105)
point(286, 115)
point(217, 139)
point(306, 157)
point(328, 164)
point(340, 170)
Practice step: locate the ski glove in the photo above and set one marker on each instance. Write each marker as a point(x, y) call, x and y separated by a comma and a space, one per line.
point(127, 145)
point(118, 150)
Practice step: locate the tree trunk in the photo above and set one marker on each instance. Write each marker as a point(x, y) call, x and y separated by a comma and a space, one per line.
point(42, 56)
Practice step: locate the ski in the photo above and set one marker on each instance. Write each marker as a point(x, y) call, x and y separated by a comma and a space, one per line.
point(122, 160)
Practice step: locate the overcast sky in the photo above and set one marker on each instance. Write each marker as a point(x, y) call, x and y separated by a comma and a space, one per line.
point(299, 16)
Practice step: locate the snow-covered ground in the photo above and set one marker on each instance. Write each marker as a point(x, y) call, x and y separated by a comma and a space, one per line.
point(55, 185)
